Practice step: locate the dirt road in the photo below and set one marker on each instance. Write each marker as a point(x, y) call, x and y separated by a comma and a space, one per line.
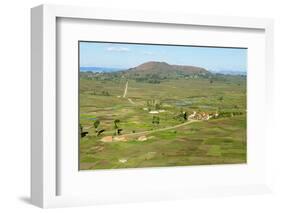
point(126, 89)
point(163, 129)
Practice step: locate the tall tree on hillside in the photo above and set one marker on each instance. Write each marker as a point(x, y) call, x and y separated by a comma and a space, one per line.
point(116, 127)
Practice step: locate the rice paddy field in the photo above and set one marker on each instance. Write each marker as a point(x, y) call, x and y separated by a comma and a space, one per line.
point(149, 124)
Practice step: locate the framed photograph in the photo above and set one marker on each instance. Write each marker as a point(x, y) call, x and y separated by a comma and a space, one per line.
point(131, 106)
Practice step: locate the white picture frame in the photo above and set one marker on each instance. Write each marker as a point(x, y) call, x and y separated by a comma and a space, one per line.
point(44, 150)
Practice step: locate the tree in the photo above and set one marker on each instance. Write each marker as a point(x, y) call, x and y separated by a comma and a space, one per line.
point(96, 124)
point(158, 105)
point(185, 117)
point(105, 93)
point(182, 116)
point(116, 127)
point(155, 120)
point(82, 133)
point(116, 122)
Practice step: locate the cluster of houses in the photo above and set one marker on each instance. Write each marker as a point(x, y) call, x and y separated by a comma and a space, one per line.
point(202, 116)
point(194, 116)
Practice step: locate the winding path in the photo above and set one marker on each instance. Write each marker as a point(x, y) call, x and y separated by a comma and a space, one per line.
point(126, 89)
point(163, 129)
point(131, 101)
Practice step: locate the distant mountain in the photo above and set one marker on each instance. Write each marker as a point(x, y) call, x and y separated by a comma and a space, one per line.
point(151, 72)
point(99, 69)
point(164, 69)
point(231, 72)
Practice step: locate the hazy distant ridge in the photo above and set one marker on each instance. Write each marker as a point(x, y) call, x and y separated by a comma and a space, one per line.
point(99, 69)
point(155, 70)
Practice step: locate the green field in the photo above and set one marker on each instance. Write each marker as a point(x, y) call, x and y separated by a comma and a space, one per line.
point(164, 138)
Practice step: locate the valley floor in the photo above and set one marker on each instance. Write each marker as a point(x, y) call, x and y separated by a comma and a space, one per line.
point(169, 140)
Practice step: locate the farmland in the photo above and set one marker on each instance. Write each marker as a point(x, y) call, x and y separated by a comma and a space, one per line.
point(149, 125)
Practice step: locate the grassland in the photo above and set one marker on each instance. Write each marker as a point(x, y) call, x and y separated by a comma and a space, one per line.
point(214, 141)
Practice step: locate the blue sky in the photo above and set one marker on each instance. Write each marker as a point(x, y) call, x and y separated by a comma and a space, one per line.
point(117, 55)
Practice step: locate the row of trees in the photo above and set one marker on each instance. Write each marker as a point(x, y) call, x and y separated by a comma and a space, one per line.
point(99, 131)
point(103, 93)
point(153, 104)
point(116, 122)
point(182, 116)
point(149, 78)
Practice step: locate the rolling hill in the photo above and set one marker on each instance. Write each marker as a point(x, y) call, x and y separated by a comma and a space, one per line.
point(163, 69)
point(151, 72)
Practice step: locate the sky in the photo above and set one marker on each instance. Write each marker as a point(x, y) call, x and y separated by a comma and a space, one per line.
point(124, 55)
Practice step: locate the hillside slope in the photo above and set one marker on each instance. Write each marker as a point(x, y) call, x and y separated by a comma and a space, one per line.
point(163, 69)
point(151, 72)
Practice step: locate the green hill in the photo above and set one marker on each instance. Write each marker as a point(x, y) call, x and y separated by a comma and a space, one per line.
point(153, 72)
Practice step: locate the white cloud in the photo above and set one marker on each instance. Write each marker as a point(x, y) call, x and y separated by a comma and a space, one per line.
point(118, 49)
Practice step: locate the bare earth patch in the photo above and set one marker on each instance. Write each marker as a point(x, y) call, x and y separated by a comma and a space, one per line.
point(107, 139)
point(120, 138)
point(142, 138)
